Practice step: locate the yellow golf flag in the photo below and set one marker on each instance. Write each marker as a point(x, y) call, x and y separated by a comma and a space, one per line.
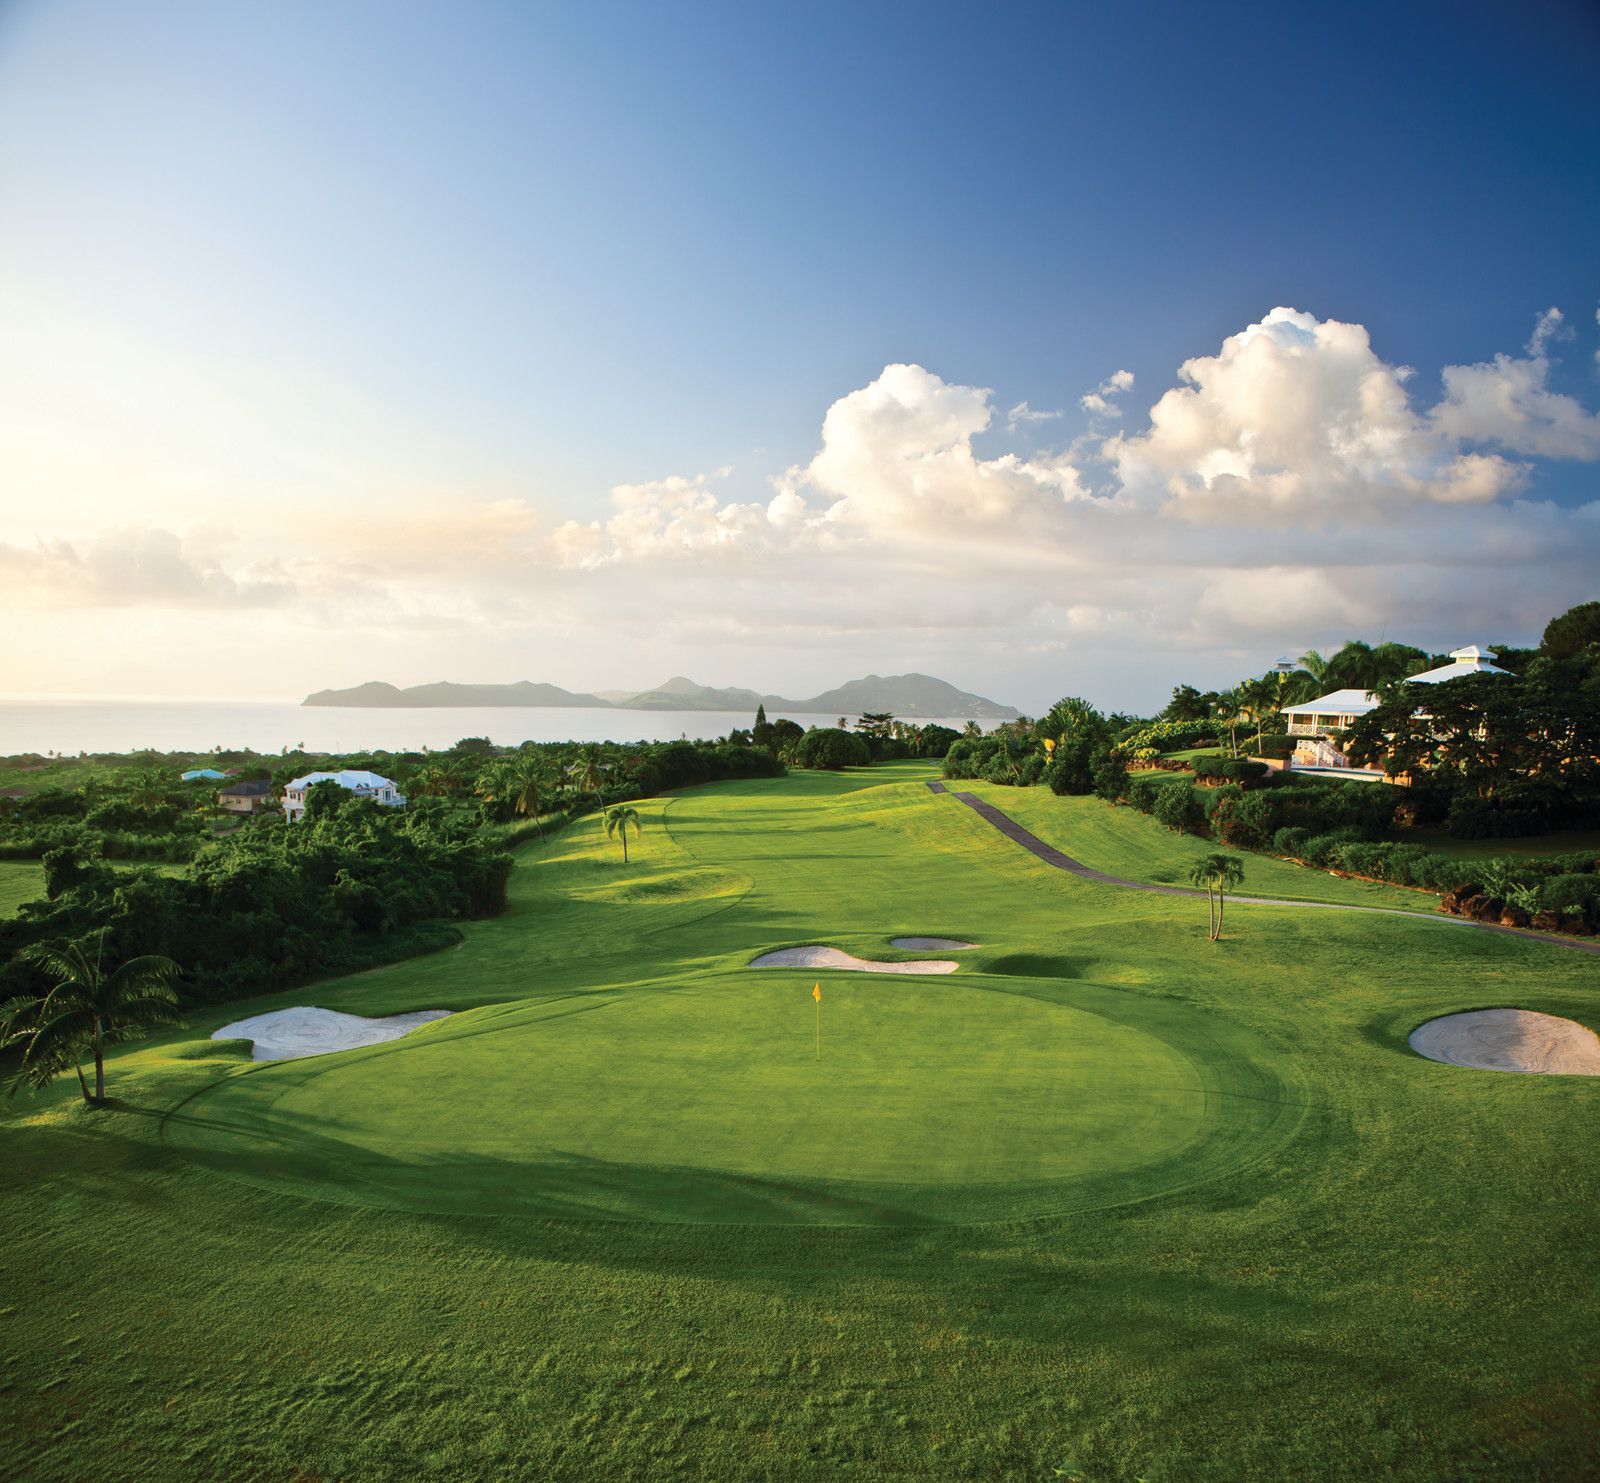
point(816, 993)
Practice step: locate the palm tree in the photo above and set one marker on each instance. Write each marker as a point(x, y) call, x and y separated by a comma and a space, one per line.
point(618, 817)
point(1315, 665)
point(588, 773)
point(1226, 712)
point(85, 1011)
point(527, 784)
point(1258, 699)
point(1217, 874)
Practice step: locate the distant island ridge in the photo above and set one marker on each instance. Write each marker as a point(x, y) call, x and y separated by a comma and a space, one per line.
point(902, 695)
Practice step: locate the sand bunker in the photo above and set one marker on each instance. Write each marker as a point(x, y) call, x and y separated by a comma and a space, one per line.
point(288, 1034)
point(832, 957)
point(930, 944)
point(1510, 1040)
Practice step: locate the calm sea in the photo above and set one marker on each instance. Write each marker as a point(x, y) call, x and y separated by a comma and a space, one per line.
point(198, 726)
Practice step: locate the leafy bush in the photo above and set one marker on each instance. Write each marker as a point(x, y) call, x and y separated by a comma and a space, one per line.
point(1242, 819)
point(829, 747)
point(1109, 777)
point(1001, 769)
point(1244, 770)
point(1290, 840)
point(969, 755)
point(1170, 736)
point(1473, 818)
point(1276, 746)
point(1320, 847)
point(1572, 894)
point(1143, 788)
point(1178, 808)
point(267, 908)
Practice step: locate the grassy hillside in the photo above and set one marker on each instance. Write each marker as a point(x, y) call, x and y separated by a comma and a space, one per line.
point(1109, 1202)
point(1122, 841)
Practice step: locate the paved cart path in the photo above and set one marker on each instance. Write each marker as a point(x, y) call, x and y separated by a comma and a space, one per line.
point(1054, 857)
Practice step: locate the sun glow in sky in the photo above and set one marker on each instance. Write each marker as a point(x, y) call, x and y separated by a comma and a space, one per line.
point(1044, 350)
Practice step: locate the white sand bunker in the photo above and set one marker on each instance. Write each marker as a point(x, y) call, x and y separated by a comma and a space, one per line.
point(832, 957)
point(288, 1034)
point(1510, 1040)
point(930, 944)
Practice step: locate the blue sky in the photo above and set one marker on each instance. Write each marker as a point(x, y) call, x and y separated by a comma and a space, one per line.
point(455, 259)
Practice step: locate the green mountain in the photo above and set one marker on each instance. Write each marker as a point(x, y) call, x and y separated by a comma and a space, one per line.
point(375, 693)
point(908, 696)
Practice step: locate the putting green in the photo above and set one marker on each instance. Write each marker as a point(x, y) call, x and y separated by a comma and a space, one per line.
point(932, 1101)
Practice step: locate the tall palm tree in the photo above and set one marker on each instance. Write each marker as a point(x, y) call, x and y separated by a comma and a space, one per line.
point(588, 773)
point(1315, 665)
point(1225, 711)
point(1217, 874)
point(618, 817)
point(527, 786)
point(86, 1010)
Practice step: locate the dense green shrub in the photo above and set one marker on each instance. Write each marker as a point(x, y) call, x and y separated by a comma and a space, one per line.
point(1109, 777)
point(1169, 736)
point(1278, 745)
point(1244, 770)
point(1290, 840)
point(267, 908)
point(1572, 894)
point(1143, 788)
point(968, 756)
point(1473, 818)
point(1242, 819)
point(829, 747)
point(1178, 808)
point(1000, 769)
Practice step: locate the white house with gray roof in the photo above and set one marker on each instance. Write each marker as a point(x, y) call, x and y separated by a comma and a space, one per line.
point(1315, 720)
point(362, 784)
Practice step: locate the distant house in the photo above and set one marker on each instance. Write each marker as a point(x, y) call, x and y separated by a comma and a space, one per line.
point(362, 784)
point(1316, 721)
point(208, 774)
point(247, 797)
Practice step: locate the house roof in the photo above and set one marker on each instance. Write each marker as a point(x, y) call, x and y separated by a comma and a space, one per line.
point(1336, 703)
point(349, 778)
point(202, 772)
point(1462, 666)
point(247, 788)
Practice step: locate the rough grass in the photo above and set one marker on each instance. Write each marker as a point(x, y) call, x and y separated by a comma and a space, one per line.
point(1393, 1279)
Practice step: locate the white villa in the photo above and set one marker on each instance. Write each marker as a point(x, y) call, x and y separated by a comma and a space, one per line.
point(1315, 720)
point(362, 784)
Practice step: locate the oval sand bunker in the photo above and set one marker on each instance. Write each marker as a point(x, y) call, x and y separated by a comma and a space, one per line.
point(930, 944)
point(832, 957)
point(289, 1034)
point(1510, 1040)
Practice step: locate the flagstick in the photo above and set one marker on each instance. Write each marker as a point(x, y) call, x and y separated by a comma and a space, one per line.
point(819, 1029)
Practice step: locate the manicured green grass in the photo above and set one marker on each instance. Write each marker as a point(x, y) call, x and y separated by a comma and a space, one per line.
point(1109, 1202)
point(1536, 846)
point(1122, 841)
point(20, 880)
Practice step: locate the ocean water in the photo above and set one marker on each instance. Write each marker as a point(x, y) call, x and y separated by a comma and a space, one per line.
point(198, 726)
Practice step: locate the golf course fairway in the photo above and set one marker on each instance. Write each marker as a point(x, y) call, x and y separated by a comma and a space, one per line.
point(1109, 1201)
